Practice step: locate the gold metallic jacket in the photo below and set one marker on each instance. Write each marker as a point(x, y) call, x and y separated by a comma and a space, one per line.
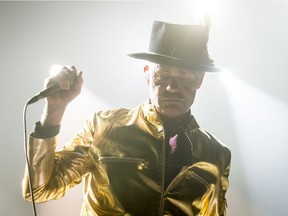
point(119, 156)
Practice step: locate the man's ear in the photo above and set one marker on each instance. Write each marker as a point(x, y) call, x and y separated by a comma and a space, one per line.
point(200, 79)
point(146, 73)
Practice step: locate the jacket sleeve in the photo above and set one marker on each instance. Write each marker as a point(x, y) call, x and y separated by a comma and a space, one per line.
point(52, 173)
point(224, 184)
point(213, 202)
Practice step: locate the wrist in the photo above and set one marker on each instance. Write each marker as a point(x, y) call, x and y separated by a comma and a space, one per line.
point(52, 115)
point(41, 131)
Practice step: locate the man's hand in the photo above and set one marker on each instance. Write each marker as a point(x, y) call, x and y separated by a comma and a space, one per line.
point(70, 82)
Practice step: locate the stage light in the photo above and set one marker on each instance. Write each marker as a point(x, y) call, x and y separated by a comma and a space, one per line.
point(227, 77)
point(55, 69)
point(259, 119)
point(206, 8)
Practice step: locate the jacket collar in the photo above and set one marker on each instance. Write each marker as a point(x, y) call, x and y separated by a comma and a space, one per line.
point(151, 116)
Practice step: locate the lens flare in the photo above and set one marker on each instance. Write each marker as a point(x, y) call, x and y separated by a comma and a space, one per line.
point(206, 9)
point(55, 69)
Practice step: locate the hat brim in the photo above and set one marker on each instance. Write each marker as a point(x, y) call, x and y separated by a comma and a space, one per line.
point(173, 61)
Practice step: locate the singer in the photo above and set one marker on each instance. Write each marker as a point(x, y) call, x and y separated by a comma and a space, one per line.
point(151, 160)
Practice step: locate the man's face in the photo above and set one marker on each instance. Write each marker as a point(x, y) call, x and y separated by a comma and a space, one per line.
point(172, 90)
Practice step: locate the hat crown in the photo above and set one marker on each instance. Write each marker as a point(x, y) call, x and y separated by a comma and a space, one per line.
point(186, 42)
point(179, 45)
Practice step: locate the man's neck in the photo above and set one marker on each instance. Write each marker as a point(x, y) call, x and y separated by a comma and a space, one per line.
point(179, 121)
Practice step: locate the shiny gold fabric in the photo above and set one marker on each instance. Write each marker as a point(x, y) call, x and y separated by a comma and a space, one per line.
point(119, 156)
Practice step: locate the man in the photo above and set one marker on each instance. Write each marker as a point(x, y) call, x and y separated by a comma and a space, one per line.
point(150, 160)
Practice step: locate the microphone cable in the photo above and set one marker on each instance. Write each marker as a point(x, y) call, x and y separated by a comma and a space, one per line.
point(27, 158)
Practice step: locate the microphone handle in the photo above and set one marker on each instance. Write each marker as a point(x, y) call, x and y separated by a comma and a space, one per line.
point(44, 93)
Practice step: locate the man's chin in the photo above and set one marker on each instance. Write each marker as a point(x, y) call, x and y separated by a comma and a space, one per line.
point(172, 110)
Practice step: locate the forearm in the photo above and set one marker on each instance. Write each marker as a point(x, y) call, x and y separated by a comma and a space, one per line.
point(52, 114)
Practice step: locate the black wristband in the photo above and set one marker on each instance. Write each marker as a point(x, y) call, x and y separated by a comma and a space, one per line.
point(45, 131)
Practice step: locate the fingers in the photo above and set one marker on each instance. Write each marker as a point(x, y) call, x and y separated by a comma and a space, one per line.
point(64, 77)
point(78, 82)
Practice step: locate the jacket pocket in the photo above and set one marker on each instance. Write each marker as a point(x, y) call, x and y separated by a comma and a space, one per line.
point(193, 182)
point(197, 177)
point(138, 162)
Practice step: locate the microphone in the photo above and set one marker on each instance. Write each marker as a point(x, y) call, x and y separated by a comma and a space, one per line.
point(44, 93)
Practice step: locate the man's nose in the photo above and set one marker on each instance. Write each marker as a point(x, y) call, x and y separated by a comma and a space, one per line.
point(173, 85)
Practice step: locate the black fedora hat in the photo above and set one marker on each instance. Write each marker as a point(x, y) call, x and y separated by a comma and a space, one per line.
point(179, 45)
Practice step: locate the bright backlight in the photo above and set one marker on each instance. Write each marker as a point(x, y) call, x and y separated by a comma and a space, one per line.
point(55, 69)
point(206, 8)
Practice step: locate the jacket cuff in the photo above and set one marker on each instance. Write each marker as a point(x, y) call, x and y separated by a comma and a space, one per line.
point(45, 131)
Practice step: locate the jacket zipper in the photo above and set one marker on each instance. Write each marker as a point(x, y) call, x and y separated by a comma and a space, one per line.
point(161, 206)
point(140, 162)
